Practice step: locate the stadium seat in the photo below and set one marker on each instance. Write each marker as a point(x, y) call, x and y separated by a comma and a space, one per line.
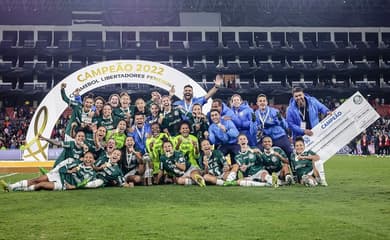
point(63, 44)
point(40, 44)
point(276, 44)
point(148, 45)
point(76, 44)
point(176, 45)
point(112, 44)
point(94, 44)
point(309, 45)
point(329, 45)
point(130, 44)
point(28, 44)
point(6, 66)
point(75, 65)
point(244, 44)
point(232, 45)
point(6, 44)
point(360, 45)
point(297, 45)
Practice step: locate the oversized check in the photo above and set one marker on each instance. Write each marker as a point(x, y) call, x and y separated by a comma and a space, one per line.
point(338, 129)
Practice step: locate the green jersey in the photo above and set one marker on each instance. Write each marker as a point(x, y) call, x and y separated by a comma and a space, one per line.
point(271, 162)
point(109, 123)
point(251, 160)
point(121, 113)
point(78, 114)
point(111, 175)
point(303, 166)
point(172, 119)
point(71, 150)
point(83, 172)
point(187, 147)
point(216, 161)
point(198, 127)
point(169, 164)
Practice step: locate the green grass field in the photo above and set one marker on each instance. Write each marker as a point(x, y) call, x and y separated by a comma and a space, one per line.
point(356, 205)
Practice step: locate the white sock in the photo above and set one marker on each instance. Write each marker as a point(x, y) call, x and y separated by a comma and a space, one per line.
point(95, 183)
point(232, 176)
point(249, 183)
point(320, 168)
point(30, 188)
point(21, 185)
point(220, 182)
point(268, 179)
point(189, 181)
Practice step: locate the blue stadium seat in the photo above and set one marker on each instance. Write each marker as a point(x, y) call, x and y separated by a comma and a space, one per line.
point(28, 44)
point(276, 44)
point(76, 44)
point(6, 44)
point(94, 44)
point(244, 44)
point(232, 45)
point(40, 44)
point(148, 45)
point(264, 45)
point(177, 45)
point(297, 45)
point(341, 44)
point(112, 44)
point(75, 65)
point(63, 44)
point(131, 44)
point(326, 45)
point(360, 45)
point(309, 45)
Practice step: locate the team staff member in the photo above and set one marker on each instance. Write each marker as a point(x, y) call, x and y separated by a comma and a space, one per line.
point(302, 113)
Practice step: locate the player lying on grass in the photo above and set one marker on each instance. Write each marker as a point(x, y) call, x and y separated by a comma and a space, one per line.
point(305, 165)
point(251, 166)
point(215, 168)
point(276, 162)
point(174, 164)
point(70, 176)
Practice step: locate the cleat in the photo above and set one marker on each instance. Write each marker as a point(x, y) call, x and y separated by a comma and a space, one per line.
point(43, 171)
point(230, 183)
point(4, 186)
point(275, 180)
point(323, 183)
point(308, 182)
point(82, 183)
point(199, 180)
point(289, 180)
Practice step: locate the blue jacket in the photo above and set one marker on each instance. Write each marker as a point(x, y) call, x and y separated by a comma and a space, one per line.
point(294, 118)
point(226, 111)
point(217, 136)
point(140, 137)
point(274, 125)
point(242, 118)
point(199, 100)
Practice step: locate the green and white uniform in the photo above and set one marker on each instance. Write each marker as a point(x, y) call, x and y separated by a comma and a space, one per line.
point(172, 119)
point(109, 123)
point(304, 166)
point(83, 172)
point(216, 162)
point(187, 148)
point(111, 174)
point(121, 113)
point(78, 116)
point(169, 164)
point(271, 162)
point(71, 150)
point(252, 161)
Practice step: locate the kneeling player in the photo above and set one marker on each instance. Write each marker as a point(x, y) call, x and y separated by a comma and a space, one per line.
point(177, 166)
point(214, 165)
point(275, 161)
point(307, 164)
point(131, 163)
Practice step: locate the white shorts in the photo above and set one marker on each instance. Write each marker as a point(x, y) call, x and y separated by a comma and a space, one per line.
point(55, 178)
point(189, 171)
point(257, 175)
point(131, 173)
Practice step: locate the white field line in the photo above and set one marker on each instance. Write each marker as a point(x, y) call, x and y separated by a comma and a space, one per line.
point(8, 175)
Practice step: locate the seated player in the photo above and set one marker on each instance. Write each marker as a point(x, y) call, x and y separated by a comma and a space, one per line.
point(70, 176)
point(131, 163)
point(275, 161)
point(251, 166)
point(109, 173)
point(215, 168)
point(305, 165)
point(174, 163)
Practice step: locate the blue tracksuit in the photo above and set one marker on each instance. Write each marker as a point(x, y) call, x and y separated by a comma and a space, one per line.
point(242, 118)
point(314, 107)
